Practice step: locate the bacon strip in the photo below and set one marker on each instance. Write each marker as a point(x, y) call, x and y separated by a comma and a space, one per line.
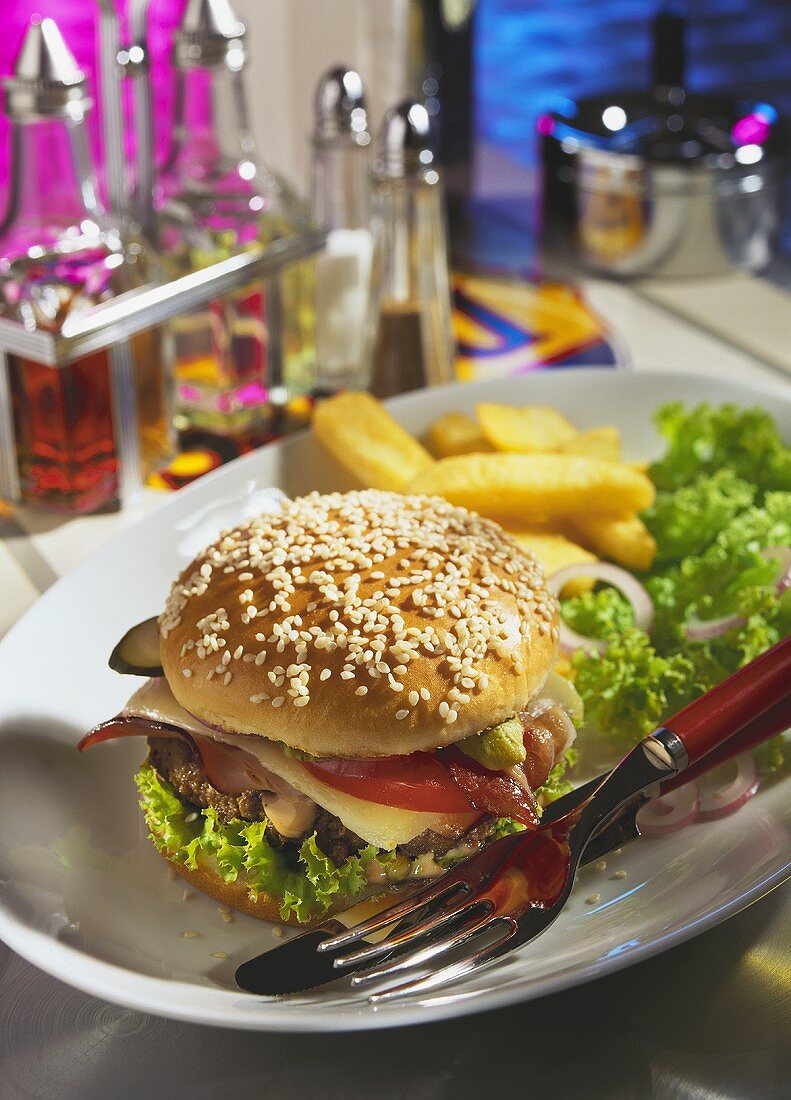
point(492, 792)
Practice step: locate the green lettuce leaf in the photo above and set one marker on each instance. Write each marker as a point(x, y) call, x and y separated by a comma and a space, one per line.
point(603, 613)
point(705, 439)
point(308, 882)
point(685, 521)
point(724, 496)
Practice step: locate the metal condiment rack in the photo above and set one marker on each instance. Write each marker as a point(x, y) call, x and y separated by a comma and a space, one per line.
point(109, 325)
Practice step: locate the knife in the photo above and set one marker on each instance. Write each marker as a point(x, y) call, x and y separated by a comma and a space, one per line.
point(296, 966)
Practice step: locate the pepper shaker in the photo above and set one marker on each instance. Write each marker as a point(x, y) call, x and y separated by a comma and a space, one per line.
point(410, 339)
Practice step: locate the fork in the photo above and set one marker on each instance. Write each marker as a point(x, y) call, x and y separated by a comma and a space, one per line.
point(511, 891)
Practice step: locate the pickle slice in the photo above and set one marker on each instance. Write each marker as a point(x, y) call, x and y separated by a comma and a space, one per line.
point(137, 654)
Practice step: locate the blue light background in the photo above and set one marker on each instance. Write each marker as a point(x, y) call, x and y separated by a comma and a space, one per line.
point(532, 54)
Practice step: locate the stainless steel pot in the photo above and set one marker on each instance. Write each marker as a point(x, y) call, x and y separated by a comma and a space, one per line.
point(664, 182)
point(638, 217)
point(667, 193)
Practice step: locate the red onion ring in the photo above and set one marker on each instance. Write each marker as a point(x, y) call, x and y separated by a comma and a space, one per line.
point(720, 800)
point(627, 585)
point(781, 554)
point(669, 813)
point(703, 630)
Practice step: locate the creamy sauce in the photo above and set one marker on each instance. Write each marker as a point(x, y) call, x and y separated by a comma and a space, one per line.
point(291, 817)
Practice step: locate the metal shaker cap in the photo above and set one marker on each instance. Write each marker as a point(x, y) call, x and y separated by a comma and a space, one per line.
point(47, 81)
point(340, 107)
point(404, 144)
point(210, 34)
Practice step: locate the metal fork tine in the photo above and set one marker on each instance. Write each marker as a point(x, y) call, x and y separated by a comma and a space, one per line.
point(453, 939)
point(405, 908)
point(415, 931)
point(452, 972)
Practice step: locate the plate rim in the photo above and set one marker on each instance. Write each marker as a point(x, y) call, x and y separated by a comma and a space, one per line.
point(171, 998)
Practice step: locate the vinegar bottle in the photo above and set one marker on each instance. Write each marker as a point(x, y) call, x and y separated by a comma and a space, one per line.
point(242, 355)
point(59, 256)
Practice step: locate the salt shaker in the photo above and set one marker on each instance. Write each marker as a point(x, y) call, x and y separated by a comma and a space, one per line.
point(410, 341)
point(340, 202)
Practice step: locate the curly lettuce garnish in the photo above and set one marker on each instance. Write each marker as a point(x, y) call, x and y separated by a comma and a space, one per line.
point(308, 881)
point(724, 496)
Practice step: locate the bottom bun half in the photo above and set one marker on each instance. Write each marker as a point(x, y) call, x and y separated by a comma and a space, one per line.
point(237, 896)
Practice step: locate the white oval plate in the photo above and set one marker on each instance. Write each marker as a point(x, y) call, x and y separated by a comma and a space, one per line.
point(83, 894)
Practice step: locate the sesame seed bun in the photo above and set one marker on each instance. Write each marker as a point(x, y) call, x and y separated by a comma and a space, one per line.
point(359, 625)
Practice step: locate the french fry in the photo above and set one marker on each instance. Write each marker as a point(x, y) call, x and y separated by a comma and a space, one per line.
point(524, 431)
point(554, 552)
point(626, 540)
point(603, 443)
point(513, 488)
point(365, 439)
point(455, 433)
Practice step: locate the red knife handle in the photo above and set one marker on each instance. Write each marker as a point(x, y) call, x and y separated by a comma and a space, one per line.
point(735, 702)
point(773, 721)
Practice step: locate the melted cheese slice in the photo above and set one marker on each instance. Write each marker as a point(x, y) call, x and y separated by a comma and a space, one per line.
point(384, 826)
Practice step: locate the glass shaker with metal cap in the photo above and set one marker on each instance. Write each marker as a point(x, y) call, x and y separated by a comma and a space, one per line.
point(238, 360)
point(79, 427)
point(410, 337)
point(340, 201)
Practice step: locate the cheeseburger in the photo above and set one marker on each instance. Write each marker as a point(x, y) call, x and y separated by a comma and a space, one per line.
point(349, 692)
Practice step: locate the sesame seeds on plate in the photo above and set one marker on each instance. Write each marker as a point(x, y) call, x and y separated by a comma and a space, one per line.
point(363, 587)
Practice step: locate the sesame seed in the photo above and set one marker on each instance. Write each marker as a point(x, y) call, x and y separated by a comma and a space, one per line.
point(443, 709)
point(186, 672)
point(593, 899)
point(228, 918)
point(302, 701)
point(336, 552)
point(190, 934)
point(219, 955)
point(278, 701)
point(618, 875)
point(227, 678)
point(361, 690)
point(401, 714)
point(601, 865)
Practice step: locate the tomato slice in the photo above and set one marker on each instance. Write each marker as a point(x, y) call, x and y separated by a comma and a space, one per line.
point(418, 781)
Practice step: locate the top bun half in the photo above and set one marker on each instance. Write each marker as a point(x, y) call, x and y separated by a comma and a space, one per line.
point(360, 624)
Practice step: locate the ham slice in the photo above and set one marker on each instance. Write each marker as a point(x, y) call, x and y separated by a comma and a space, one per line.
point(228, 769)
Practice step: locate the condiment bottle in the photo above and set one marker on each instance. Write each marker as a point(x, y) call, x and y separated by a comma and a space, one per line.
point(409, 331)
point(214, 198)
point(340, 202)
point(60, 256)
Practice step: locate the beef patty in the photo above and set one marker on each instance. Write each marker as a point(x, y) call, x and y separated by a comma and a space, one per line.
point(177, 763)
